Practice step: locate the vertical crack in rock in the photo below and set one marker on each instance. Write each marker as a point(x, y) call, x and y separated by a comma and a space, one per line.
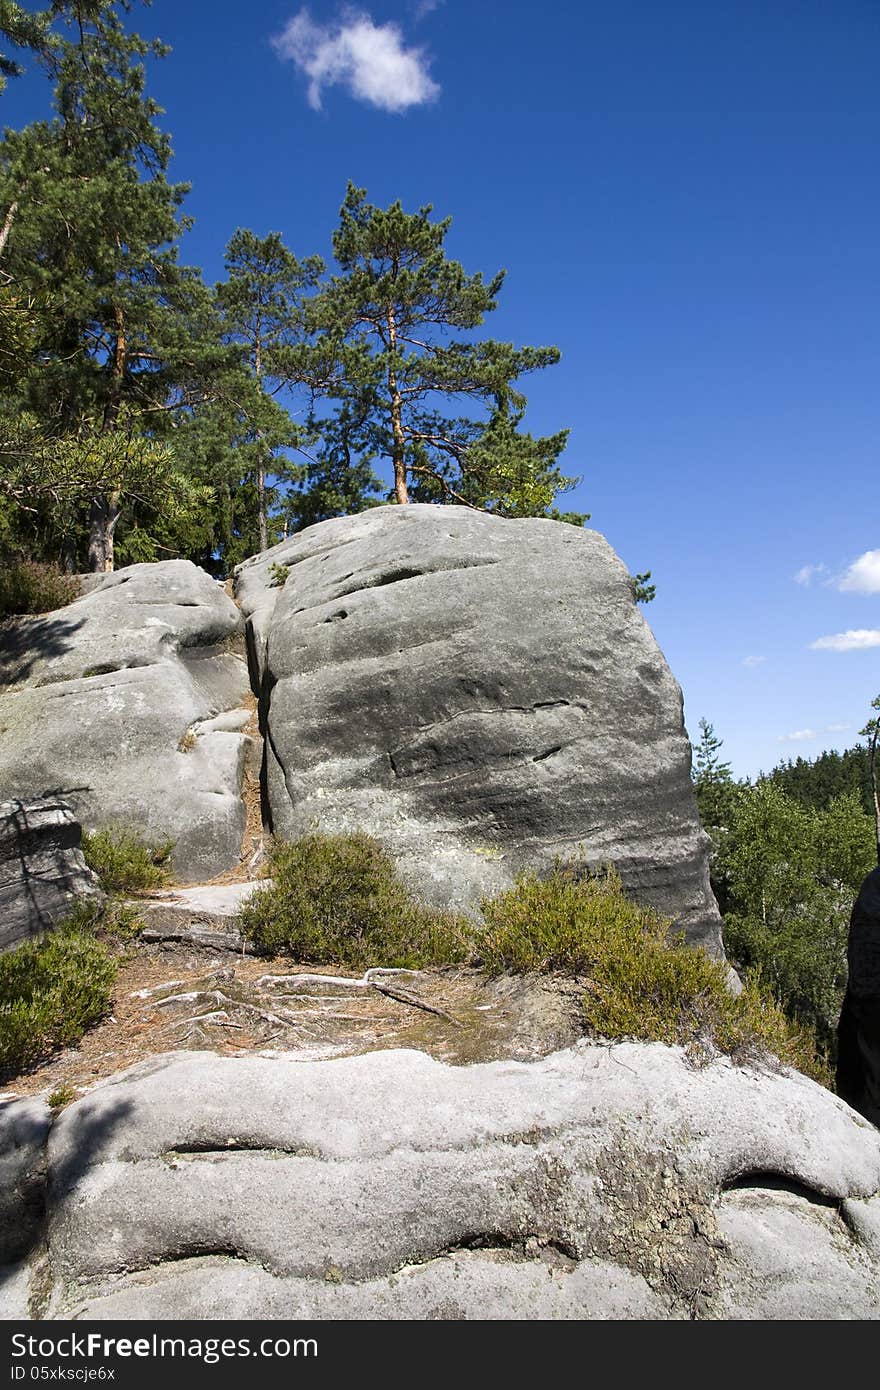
point(492, 680)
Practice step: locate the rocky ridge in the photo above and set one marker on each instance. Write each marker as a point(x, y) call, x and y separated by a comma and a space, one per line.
point(399, 1144)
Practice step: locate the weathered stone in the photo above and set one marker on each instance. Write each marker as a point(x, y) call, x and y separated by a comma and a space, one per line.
point(792, 1257)
point(42, 869)
point(204, 916)
point(24, 1129)
point(597, 1182)
point(480, 694)
point(134, 617)
point(113, 702)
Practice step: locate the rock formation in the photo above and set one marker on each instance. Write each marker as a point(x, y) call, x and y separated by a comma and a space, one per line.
point(123, 704)
point(595, 1183)
point(480, 694)
point(42, 869)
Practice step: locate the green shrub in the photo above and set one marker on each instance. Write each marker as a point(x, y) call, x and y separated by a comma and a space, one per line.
point(124, 862)
point(61, 1096)
point(27, 587)
point(113, 921)
point(636, 984)
point(337, 898)
point(51, 991)
point(278, 575)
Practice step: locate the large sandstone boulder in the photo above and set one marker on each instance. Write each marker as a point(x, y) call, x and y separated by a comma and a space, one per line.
point(42, 870)
point(596, 1183)
point(480, 694)
point(112, 704)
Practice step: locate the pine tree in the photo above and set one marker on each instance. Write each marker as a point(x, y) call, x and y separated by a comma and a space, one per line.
point(24, 30)
point(261, 310)
point(389, 348)
point(871, 731)
point(92, 225)
point(708, 766)
point(712, 778)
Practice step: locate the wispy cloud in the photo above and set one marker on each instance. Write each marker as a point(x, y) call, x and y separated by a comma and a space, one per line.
point(752, 661)
point(863, 575)
point(370, 60)
point(855, 640)
point(809, 572)
point(806, 735)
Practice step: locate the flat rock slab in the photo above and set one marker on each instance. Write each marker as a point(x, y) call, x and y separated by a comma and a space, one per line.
point(211, 899)
point(43, 874)
point(482, 695)
point(201, 916)
point(598, 1182)
point(120, 703)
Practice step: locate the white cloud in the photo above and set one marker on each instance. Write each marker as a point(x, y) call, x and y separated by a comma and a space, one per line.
point(804, 735)
point(808, 572)
point(855, 640)
point(753, 660)
point(370, 60)
point(863, 575)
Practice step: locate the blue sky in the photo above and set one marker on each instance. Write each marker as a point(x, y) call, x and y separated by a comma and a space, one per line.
point(686, 198)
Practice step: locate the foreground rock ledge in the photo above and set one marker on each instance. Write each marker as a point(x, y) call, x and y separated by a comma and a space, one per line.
point(608, 1181)
point(482, 695)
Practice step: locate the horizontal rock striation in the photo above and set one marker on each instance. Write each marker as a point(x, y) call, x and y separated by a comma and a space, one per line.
point(111, 704)
point(42, 870)
point(593, 1183)
point(480, 694)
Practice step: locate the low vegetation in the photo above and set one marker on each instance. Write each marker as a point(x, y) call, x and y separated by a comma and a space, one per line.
point(51, 991)
point(338, 898)
point(114, 922)
point(124, 862)
point(27, 587)
point(637, 985)
point(278, 575)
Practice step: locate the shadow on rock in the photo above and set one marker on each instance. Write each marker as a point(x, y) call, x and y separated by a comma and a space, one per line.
point(26, 641)
point(25, 1128)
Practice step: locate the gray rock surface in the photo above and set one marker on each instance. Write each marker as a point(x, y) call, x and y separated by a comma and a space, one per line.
point(113, 702)
point(24, 1129)
point(42, 869)
point(481, 695)
point(598, 1182)
point(203, 916)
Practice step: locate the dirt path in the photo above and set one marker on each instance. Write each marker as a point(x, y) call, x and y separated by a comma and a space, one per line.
point(167, 999)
